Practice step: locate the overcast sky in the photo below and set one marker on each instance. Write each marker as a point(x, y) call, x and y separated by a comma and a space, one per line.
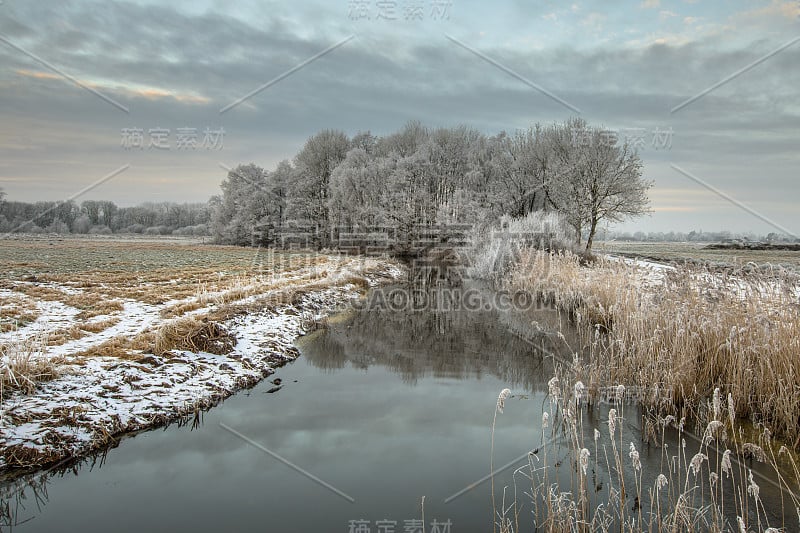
point(624, 65)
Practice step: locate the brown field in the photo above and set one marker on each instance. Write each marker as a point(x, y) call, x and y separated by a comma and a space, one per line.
point(92, 280)
point(683, 251)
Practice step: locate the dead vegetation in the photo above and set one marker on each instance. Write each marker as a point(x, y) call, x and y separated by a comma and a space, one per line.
point(680, 334)
point(23, 365)
point(90, 304)
point(16, 312)
point(193, 335)
point(78, 331)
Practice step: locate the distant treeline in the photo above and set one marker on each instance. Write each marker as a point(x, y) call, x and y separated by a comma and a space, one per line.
point(103, 217)
point(419, 178)
point(697, 236)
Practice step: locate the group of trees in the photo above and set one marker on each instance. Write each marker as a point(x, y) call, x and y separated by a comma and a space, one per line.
point(410, 180)
point(420, 177)
point(93, 216)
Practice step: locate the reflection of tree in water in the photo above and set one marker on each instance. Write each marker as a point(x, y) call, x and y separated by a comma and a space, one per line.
point(15, 498)
point(23, 496)
point(460, 343)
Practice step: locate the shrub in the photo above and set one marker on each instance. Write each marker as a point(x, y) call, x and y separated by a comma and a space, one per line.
point(134, 228)
point(157, 230)
point(496, 250)
point(100, 230)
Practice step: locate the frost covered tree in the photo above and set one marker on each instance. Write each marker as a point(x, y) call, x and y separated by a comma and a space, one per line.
point(314, 165)
point(357, 193)
point(594, 178)
point(522, 165)
point(246, 199)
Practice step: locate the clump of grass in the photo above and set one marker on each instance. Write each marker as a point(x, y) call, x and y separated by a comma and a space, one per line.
point(358, 281)
point(16, 312)
point(61, 336)
point(93, 307)
point(90, 304)
point(193, 335)
point(98, 325)
point(121, 347)
point(23, 366)
point(681, 333)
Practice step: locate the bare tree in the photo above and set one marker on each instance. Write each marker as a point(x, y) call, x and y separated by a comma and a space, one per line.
point(597, 178)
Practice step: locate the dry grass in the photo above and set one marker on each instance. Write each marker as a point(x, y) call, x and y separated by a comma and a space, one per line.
point(90, 304)
point(685, 335)
point(212, 283)
point(97, 326)
point(16, 311)
point(694, 252)
point(22, 366)
point(193, 335)
point(78, 331)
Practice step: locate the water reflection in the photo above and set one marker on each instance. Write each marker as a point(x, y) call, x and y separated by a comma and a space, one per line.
point(517, 348)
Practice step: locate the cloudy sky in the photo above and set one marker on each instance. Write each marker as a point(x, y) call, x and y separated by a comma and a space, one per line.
point(77, 76)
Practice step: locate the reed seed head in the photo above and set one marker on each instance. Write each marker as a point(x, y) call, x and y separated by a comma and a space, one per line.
point(553, 389)
point(620, 392)
point(697, 462)
point(612, 421)
point(584, 460)
point(742, 527)
point(726, 463)
point(634, 455)
point(752, 487)
point(501, 399)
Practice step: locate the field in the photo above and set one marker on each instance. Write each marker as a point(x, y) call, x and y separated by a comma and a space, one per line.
point(104, 336)
point(693, 252)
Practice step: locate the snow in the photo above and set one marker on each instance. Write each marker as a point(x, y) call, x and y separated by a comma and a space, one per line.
point(52, 315)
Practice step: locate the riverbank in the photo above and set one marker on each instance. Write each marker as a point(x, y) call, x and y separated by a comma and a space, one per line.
point(95, 353)
point(708, 358)
point(672, 335)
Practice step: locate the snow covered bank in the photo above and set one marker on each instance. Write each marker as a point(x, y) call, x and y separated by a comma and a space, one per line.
point(97, 397)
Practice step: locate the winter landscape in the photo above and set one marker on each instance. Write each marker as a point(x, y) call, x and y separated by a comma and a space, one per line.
point(399, 266)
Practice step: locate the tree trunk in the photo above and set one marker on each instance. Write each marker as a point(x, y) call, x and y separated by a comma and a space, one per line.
point(590, 240)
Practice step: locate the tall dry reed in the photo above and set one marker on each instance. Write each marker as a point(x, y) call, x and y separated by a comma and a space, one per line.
point(675, 335)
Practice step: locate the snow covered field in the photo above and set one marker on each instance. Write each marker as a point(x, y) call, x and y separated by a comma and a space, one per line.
point(100, 329)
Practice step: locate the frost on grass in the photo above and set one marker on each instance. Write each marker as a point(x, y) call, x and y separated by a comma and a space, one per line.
point(146, 370)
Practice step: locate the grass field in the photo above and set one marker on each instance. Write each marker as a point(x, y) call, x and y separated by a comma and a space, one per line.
point(104, 336)
point(49, 279)
point(683, 251)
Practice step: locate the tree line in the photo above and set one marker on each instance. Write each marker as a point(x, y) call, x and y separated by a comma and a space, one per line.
point(420, 177)
point(103, 217)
